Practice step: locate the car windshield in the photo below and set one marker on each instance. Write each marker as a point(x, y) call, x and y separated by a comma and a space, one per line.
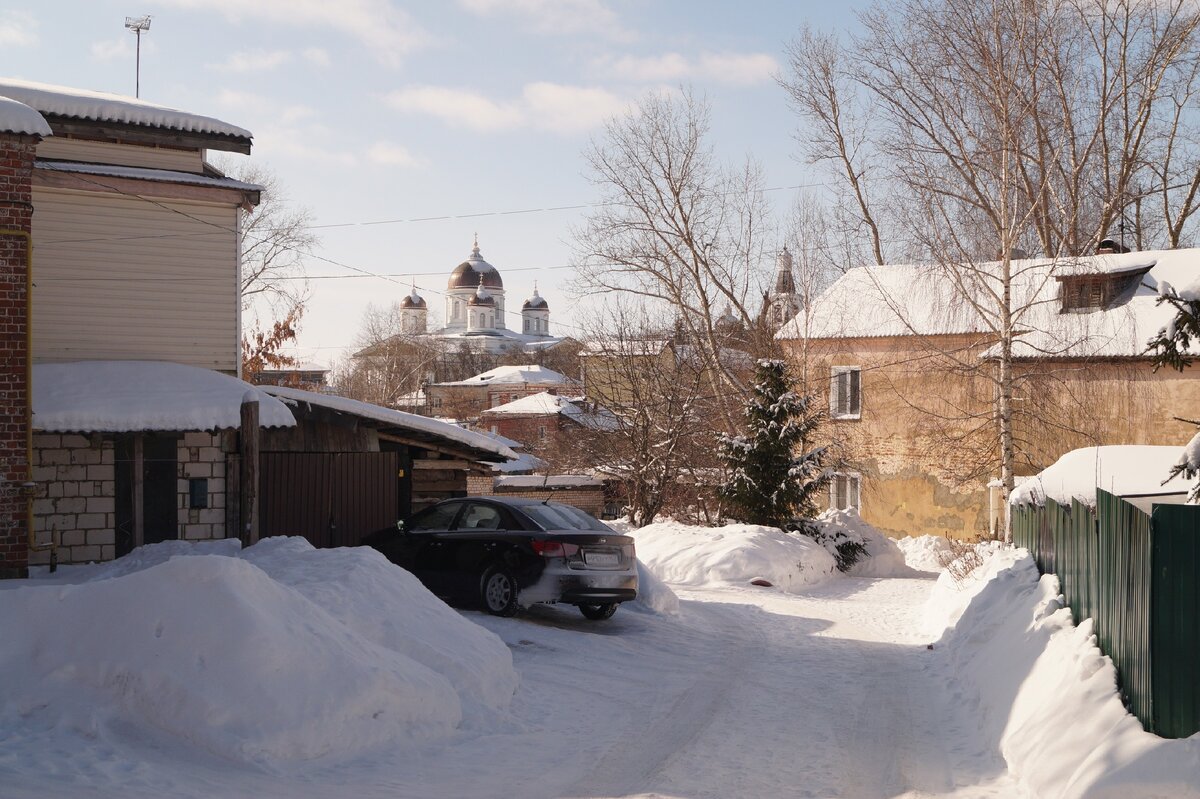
point(564, 517)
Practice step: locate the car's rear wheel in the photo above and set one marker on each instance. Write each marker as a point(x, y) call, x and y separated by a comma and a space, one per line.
point(598, 612)
point(498, 590)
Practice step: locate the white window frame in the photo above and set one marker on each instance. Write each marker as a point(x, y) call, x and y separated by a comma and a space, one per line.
point(853, 490)
point(853, 374)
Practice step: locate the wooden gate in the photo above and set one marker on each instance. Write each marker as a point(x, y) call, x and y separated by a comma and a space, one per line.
point(331, 498)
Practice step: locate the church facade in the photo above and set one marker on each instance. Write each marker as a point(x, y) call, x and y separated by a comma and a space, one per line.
point(476, 312)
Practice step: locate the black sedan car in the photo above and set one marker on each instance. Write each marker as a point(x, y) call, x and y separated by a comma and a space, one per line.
point(507, 553)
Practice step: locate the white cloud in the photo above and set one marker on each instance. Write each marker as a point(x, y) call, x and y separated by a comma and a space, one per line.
point(317, 57)
point(18, 29)
point(233, 98)
point(548, 106)
point(296, 113)
point(456, 106)
point(555, 17)
point(111, 49)
point(389, 32)
point(253, 61)
point(569, 109)
point(391, 154)
point(732, 68)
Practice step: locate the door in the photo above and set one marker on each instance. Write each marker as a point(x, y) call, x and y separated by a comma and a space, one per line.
point(146, 488)
point(333, 499)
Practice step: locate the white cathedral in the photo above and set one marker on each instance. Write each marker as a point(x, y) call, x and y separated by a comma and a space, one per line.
point(475, 312)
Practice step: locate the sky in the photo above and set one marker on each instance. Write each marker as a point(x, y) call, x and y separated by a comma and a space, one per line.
point(408, 128)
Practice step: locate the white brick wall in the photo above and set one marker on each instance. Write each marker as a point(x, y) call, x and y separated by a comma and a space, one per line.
point(76, 495)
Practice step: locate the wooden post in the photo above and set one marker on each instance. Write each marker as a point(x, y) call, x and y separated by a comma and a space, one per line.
point(248, 495)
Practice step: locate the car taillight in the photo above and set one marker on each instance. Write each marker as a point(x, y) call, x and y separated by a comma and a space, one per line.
point(554, 549)
point(628, 550)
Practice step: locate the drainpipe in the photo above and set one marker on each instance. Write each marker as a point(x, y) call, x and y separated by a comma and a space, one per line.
point(29, 487)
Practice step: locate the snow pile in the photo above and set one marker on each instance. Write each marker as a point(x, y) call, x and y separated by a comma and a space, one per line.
point(927, 553)
point(653, 594)
point(284, 654)
point(1046, 694)
point(1120, 470)
point(882, 559)
point(388, 606)
point(736, 553)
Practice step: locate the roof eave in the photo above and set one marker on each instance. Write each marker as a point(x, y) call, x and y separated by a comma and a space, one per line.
point(146, 134)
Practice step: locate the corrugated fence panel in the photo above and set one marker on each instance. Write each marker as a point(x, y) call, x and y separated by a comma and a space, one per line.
point(1123, 613)
point(1175, 619)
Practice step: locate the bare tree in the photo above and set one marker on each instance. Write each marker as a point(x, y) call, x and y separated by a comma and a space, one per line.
point(389, 362)
point(676, 229)
point(662, 446)
point(276, 235)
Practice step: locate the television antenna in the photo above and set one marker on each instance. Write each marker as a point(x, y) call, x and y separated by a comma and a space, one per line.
point(137, 25)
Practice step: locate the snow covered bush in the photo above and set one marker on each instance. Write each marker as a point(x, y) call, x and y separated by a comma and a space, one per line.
point(770, 484)
point(857, 547)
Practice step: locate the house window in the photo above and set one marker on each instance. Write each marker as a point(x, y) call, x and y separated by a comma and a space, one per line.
point(845, 392)
point(541, 431)
point(845, 491)
point(526, 325)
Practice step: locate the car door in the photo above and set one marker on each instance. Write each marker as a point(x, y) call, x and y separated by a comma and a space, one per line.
point(426, 548)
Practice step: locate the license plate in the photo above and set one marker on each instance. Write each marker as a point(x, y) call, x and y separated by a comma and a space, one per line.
point(601, 559)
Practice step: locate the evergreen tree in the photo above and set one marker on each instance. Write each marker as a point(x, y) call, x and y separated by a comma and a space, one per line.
point(775, 480)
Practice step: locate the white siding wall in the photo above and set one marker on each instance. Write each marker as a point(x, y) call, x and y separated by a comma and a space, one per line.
point(124, 154)
point(120, 277)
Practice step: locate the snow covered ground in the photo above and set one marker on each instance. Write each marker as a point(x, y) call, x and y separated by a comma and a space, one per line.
point(193, 676)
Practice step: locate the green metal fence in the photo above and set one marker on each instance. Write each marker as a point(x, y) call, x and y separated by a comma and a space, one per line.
point(1138, 578)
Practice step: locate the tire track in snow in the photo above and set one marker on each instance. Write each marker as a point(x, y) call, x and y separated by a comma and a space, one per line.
point(630, 766)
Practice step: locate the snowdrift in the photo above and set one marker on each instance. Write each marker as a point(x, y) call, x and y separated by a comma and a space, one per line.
point(283, 653)
point(925, 553)
point(1046, 693)
point(736, 553)
point(653, 595)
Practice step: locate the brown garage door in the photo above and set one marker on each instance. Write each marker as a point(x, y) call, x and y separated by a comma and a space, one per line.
point(331, 498)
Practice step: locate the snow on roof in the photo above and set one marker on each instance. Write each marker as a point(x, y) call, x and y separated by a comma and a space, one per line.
point(140, 173)
point(1121, 470)
point(539, 375)
point(524, 462)
point(906, 300)
point(128, 396)
point(102, 107)
point(546, 481)
point(635, 347)
point(578, 410)
point(16, 117)
point(394, 418)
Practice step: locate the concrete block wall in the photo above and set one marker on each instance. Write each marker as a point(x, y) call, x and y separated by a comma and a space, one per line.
point(76, 493)
point(201, 455)
point(75, 499)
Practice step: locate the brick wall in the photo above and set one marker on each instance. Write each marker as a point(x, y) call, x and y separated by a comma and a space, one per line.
point(76, 493)
point(16, 212)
